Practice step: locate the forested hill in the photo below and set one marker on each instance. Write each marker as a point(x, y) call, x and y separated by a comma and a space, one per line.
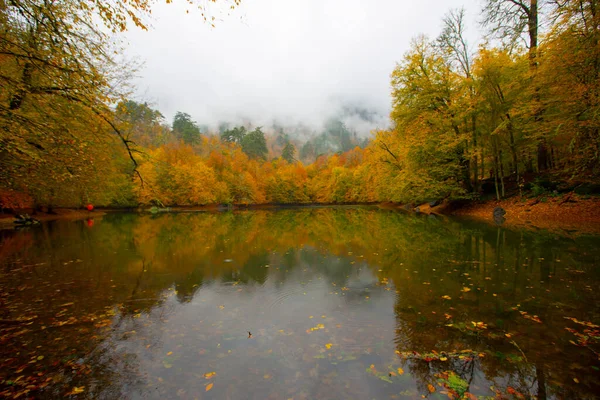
point(502, 118)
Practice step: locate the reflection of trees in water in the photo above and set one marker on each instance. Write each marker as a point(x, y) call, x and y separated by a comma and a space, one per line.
point(507, 272)
point(131, 261)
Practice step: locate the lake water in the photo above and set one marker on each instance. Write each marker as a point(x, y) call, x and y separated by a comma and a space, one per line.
point(317, 303)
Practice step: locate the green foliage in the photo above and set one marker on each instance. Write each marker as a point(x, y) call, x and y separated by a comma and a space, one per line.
point(235, 135)
point(254, 144)
point(288, 153)
point(542, 186)
point(185, 128)
point(457, 384)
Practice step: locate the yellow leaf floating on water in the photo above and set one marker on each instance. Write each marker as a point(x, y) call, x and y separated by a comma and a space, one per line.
point(169, 353)
point(446, 297)
point(316, 328)
point(466, 289)
point(209, 386)
point(400, 371)
point(431, 388)
point(76, 390)
point(209, 375)
point(479, 325)
point(328, 346)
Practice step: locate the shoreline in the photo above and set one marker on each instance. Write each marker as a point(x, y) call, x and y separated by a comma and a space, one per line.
point(63, 214)
point(567, 213)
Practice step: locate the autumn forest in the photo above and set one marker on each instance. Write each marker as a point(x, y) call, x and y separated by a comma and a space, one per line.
point(521, 109)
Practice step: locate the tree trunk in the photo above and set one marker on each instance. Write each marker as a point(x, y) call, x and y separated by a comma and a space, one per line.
point(532, 22)
point(475, 163)
point(513, 148)
point(502, 173)
point(17, 99)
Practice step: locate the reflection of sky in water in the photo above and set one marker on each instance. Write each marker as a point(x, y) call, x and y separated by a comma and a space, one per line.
point(343, 304)
point(385, 291)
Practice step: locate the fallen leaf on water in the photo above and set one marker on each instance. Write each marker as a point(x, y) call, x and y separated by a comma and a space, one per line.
point(465, 289)
point(575, 380)
point(584, 323)
point(316, 328)
point(443, 359)
point(209, 386)
point(533, 318)
point(328, 346)
point(392, 373)
point(209, 375)
point(400, 371)
point(479, 325)
point(431, 388)
point(446, 297)
point(76, 390)
point(169, 353)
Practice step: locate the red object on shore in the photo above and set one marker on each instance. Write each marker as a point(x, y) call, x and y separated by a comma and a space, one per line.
point(90, 207)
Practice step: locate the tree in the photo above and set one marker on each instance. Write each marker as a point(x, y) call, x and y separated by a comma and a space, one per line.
point(569, 82)
point(337, 130)
point(458, 55)
point(185, 128)
point(141, 124)
point(509, 20)
point(289, 152)
point(500, 79)
point(57, 56)
point(234, 135)
point(254, 144)
point(307, 152)
point(54, 61)
point(426, 112)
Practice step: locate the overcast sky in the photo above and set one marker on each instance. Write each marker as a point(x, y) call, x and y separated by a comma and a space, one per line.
point(294, 60)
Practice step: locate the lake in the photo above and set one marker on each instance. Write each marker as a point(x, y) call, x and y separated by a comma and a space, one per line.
point(309, 303)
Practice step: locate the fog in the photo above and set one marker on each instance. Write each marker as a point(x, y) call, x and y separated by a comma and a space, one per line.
point(290, 61)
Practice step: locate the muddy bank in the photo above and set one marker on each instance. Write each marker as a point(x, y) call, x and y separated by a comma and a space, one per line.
point(567, 213)
point(6, 219)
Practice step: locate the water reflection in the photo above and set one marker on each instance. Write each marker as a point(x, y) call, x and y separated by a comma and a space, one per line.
point(340, 303)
